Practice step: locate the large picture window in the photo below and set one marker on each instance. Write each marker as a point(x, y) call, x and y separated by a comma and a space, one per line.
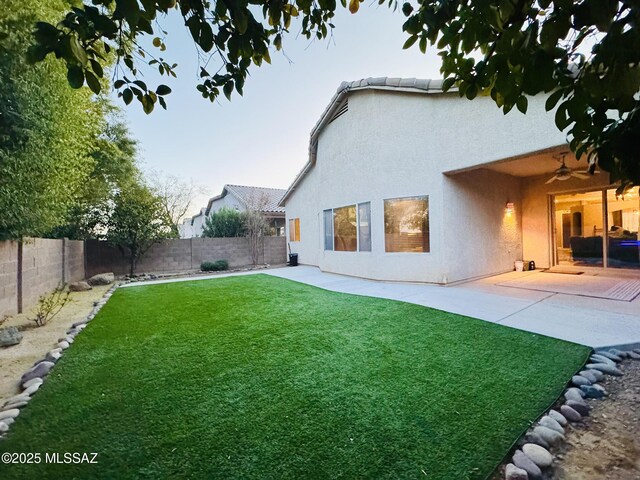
point(406, 224)
point(348, 229)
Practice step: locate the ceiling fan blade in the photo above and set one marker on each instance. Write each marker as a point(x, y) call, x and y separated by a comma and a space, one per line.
point(551, 179)
point(582, 176)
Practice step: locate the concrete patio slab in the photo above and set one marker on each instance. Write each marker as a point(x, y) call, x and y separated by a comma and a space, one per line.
point(595, 322)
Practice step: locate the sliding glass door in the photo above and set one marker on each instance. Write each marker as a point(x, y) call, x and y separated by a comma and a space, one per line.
point(597, 229)
point(623, 213)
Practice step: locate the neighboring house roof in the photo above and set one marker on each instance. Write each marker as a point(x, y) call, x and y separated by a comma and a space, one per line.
point(197, 215)
point(337, 106)
point(249, 195)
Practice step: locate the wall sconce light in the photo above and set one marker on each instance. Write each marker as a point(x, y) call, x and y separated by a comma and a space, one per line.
point(509, 208)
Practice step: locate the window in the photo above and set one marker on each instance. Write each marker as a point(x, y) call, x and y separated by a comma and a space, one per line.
point(406, 224)
point(348, 229)
point(364, 227)
point(328, 229)
point(345, 233)
point(294, 229)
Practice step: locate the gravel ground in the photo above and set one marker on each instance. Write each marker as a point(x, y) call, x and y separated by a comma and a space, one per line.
point(37, 341)
point(606, 445)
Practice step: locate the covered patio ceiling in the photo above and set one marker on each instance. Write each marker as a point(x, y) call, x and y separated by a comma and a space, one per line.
point(532, 164)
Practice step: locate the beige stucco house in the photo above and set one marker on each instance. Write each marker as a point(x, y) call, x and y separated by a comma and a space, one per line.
point(405, 182)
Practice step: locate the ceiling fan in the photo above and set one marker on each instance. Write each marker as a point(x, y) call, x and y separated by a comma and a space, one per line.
point(565, 173)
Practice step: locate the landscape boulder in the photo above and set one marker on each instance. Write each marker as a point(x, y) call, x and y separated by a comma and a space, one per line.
point(520, 460)
point(511, 472)
point(39, 371)
point(10, 336)
point(540, 456)
point(81, 286)
point(101, 279)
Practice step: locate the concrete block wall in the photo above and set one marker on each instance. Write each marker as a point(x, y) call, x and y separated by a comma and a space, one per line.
point(180, 255)
point(42, 268)
point(8, 278)
point(275, 250)
point(74, 261)
point(35, 267)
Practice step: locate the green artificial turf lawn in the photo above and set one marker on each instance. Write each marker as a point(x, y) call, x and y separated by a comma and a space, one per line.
point(260, 377)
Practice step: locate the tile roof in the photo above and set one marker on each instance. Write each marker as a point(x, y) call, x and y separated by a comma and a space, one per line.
point(250, 195)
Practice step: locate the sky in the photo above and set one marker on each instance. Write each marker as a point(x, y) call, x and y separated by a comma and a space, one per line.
point(261, 138)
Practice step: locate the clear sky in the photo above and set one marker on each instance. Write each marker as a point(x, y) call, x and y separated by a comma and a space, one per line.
point(261, 139)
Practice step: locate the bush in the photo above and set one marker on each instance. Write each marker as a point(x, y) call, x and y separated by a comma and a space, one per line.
point(214, 266)
point(226, 222)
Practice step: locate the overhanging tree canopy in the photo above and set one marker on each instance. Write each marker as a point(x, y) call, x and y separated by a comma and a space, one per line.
point(507, 49)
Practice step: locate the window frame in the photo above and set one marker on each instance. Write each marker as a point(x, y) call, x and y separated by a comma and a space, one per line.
point(294, 229)
point(358, 242)
point(408, 197)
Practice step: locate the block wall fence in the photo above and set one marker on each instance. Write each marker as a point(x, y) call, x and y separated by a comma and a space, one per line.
point(36, 266)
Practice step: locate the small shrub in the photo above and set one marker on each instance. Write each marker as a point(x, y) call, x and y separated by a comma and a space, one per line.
point(50, 305)
point(214, 266)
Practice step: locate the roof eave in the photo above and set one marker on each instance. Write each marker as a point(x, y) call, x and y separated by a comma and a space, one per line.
point(343, 90)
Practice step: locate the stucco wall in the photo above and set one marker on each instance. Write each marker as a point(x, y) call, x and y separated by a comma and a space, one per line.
point(397, 145)
point(481, 236)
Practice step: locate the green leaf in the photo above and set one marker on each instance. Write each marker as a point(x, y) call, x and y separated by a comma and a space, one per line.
point(97, 68)
point(522, 103)
point(92, 82)
point(410, 41)
point(561, 118)
point(130, 10)
point(147, 104)
point(240, 21)
point(163, 90)
point(227, 89)
point(447, 83)
point(156, 42)
point(127, 96)
point(141, 84)
point(423, 45)
point(194, 27)
point(553, 100)
point(75, 76)
point(206, 37)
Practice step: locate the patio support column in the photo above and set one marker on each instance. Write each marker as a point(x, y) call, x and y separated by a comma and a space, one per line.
point(605, 230)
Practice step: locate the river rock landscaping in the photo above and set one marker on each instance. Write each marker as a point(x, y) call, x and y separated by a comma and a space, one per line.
point(573, 416)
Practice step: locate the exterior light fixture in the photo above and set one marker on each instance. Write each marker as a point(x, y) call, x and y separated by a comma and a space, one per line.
point(509, 208)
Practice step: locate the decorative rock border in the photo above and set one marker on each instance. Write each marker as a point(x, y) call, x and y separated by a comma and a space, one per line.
point(33, 378)
point(533, 459)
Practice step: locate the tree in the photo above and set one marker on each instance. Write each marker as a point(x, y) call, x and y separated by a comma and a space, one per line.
point(136, 222)
point(226, 222)
point(505, 49)
point(176, 196)
point(46, 129)
point(114, 155)
point(255, 224)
